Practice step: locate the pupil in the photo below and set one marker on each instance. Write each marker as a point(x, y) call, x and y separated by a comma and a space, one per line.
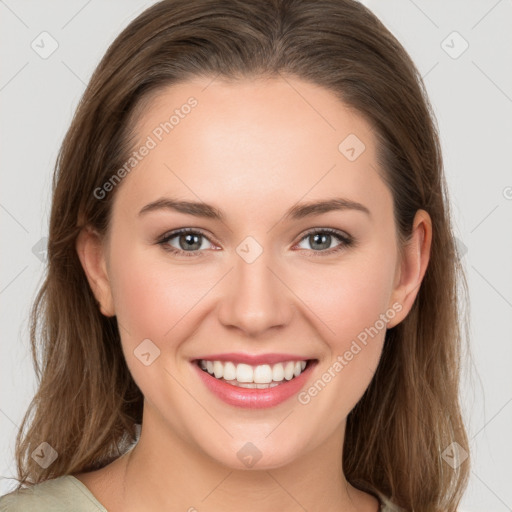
point(191, 240)
point(324, 237)
point(189, 237)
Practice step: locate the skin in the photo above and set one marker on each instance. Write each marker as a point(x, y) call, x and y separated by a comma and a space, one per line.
point(252, 149)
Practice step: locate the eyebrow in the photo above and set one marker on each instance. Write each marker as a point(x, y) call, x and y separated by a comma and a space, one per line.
point(296, 212)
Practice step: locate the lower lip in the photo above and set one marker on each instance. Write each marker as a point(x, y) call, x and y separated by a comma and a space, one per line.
point(254, 398)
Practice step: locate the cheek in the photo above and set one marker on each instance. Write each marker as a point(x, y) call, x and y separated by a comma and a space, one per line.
point(354, 295)
point(143, 300)
point(343, 302)
point(151, 296)
point(151, 300)
point(354, 310)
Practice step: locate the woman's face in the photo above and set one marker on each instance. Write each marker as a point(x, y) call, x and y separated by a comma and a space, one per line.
point(256, 281)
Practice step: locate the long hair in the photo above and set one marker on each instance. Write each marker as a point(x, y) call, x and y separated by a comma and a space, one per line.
point(87, 405)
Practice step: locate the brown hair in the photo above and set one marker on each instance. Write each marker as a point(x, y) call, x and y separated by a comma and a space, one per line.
point(87, 404)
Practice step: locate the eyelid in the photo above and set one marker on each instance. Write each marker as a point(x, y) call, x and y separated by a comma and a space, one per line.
point(332, 231)
point(168, 235)
point(345, 239)
point(179, 231)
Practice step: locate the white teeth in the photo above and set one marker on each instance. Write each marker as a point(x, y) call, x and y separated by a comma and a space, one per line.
point(288, 370)
point(229, 371)
point(218, 371)
point(263, 374)
point(278, 372)
point(244, 373)
point(260, 376)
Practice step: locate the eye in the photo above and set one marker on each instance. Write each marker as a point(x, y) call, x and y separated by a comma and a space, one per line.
point(190, 241)
point(322, 239)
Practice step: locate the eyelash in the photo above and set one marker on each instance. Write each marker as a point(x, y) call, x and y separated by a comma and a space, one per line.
point(346, 241)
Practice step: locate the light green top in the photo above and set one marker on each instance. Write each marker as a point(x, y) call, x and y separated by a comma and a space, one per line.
point(67, 493)
point(62, 494)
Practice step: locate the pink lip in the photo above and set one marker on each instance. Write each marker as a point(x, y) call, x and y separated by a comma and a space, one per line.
point(254, 398)
point(253, 360)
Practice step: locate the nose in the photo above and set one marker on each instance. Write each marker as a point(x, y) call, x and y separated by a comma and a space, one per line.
point(255, 297)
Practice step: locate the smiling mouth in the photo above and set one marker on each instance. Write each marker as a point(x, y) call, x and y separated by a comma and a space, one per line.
point(254, 376)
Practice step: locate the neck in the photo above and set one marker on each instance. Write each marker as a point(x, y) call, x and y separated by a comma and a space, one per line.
point(165, 472)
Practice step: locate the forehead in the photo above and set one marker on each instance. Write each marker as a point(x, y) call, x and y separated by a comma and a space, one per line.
point(251, 142)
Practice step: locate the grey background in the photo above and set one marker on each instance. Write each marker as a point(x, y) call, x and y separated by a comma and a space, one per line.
point(471, 92)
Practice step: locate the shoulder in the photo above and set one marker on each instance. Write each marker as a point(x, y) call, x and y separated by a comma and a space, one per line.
point(55, 495)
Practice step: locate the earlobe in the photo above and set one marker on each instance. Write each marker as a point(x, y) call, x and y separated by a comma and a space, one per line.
point(91, 252)
point(413, 265)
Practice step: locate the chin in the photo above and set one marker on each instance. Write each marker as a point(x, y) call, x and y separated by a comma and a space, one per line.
point(247, 455)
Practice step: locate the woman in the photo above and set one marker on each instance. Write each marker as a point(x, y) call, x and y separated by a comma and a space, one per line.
point(217, 143)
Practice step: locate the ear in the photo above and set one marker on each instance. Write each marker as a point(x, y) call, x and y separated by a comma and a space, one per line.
point(91, 251)
point(412, 267)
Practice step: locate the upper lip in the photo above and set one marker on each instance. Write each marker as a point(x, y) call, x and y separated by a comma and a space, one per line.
point(253, 359)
